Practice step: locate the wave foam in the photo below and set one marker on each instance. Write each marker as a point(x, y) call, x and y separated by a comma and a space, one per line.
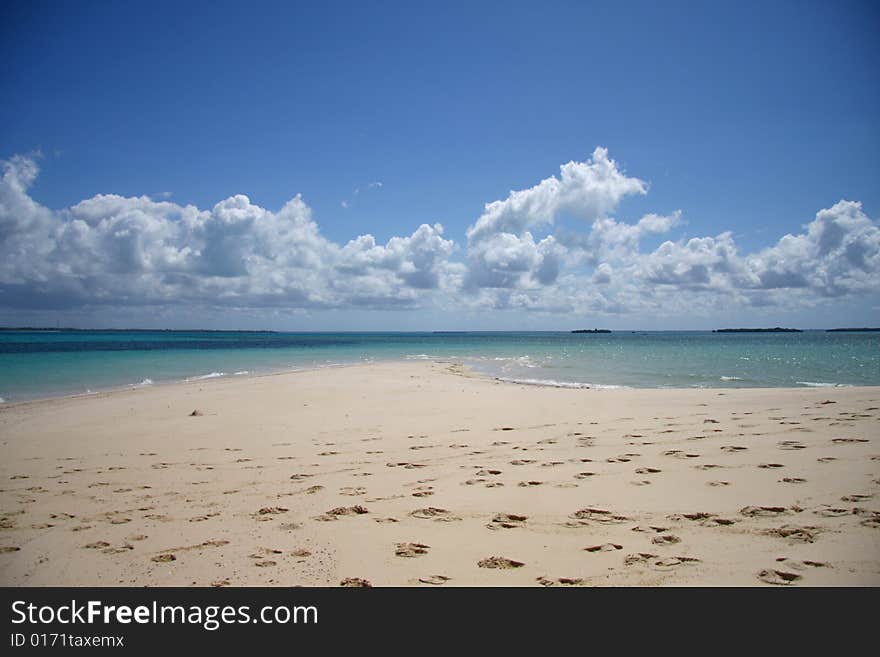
point(212, 375)
point(550, 383)
point(731, 378)
point(820, 384)
point(146, 382)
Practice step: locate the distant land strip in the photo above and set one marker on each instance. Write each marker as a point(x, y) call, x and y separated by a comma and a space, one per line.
point(592, 331)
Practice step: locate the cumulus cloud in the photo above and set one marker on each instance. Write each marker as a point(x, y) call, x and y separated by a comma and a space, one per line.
point(502, 252)
point(117, 251)
point(587, 190)
point(136, 251)
point(838, 254)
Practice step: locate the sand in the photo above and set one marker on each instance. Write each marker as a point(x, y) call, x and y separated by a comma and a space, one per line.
point(424, 474)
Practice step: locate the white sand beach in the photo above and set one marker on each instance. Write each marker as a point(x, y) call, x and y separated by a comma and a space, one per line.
point(422, 474)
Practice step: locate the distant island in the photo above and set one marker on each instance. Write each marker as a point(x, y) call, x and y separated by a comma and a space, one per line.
point(758, 330)
point(853, 330)
point(591, 331)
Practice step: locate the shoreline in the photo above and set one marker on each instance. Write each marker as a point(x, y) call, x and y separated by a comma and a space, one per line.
point(537, 383)
point(417, 472)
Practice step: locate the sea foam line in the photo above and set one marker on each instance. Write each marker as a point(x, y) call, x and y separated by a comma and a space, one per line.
point(550, 383)
point(212, 375)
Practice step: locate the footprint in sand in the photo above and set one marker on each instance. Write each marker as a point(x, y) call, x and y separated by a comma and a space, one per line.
point(778, 577)
point(499, 562)
point(791, 444)
point(767, 466)
point(794, 533)
point(793, 480)
point(643, 471)
point(584, 475)
point(411, 549)
point(649, 529)
point(506, 521)
point(271, 510)
point(855, 497)
point(599, 515)
point(718, 483)
point(733, 448)
point(423, 491)
point(763, 511)
point(163, 558)
point(356, 582)
point(526, 484)
point(872, 522)
point(670, 563)
point(666, 539)
point(677, 453)
point(603, 547)
point(562, 581)
point(802, 565)
point(639, 558)
point(207, 516)
point(843, 441)
point(353, 492)
point(340, 511)
point(707, 519)
point(435, 580)
point(831, 512)
point(434, 513)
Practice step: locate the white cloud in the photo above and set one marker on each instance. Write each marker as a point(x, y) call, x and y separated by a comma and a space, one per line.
point(502, 253)
point(118, 251)
point(135, 251)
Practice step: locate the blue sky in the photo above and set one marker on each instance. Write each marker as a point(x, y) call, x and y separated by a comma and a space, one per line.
point(747, 118)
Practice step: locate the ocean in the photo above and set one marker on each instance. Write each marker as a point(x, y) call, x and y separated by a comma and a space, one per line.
point(37, 364)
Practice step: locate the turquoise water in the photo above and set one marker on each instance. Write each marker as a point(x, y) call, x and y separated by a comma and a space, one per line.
point(37, 364)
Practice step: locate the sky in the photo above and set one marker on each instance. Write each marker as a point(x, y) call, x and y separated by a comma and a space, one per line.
point(439, 166)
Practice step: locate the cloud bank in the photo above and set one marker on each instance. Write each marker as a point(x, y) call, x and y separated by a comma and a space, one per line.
point(113, 251)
